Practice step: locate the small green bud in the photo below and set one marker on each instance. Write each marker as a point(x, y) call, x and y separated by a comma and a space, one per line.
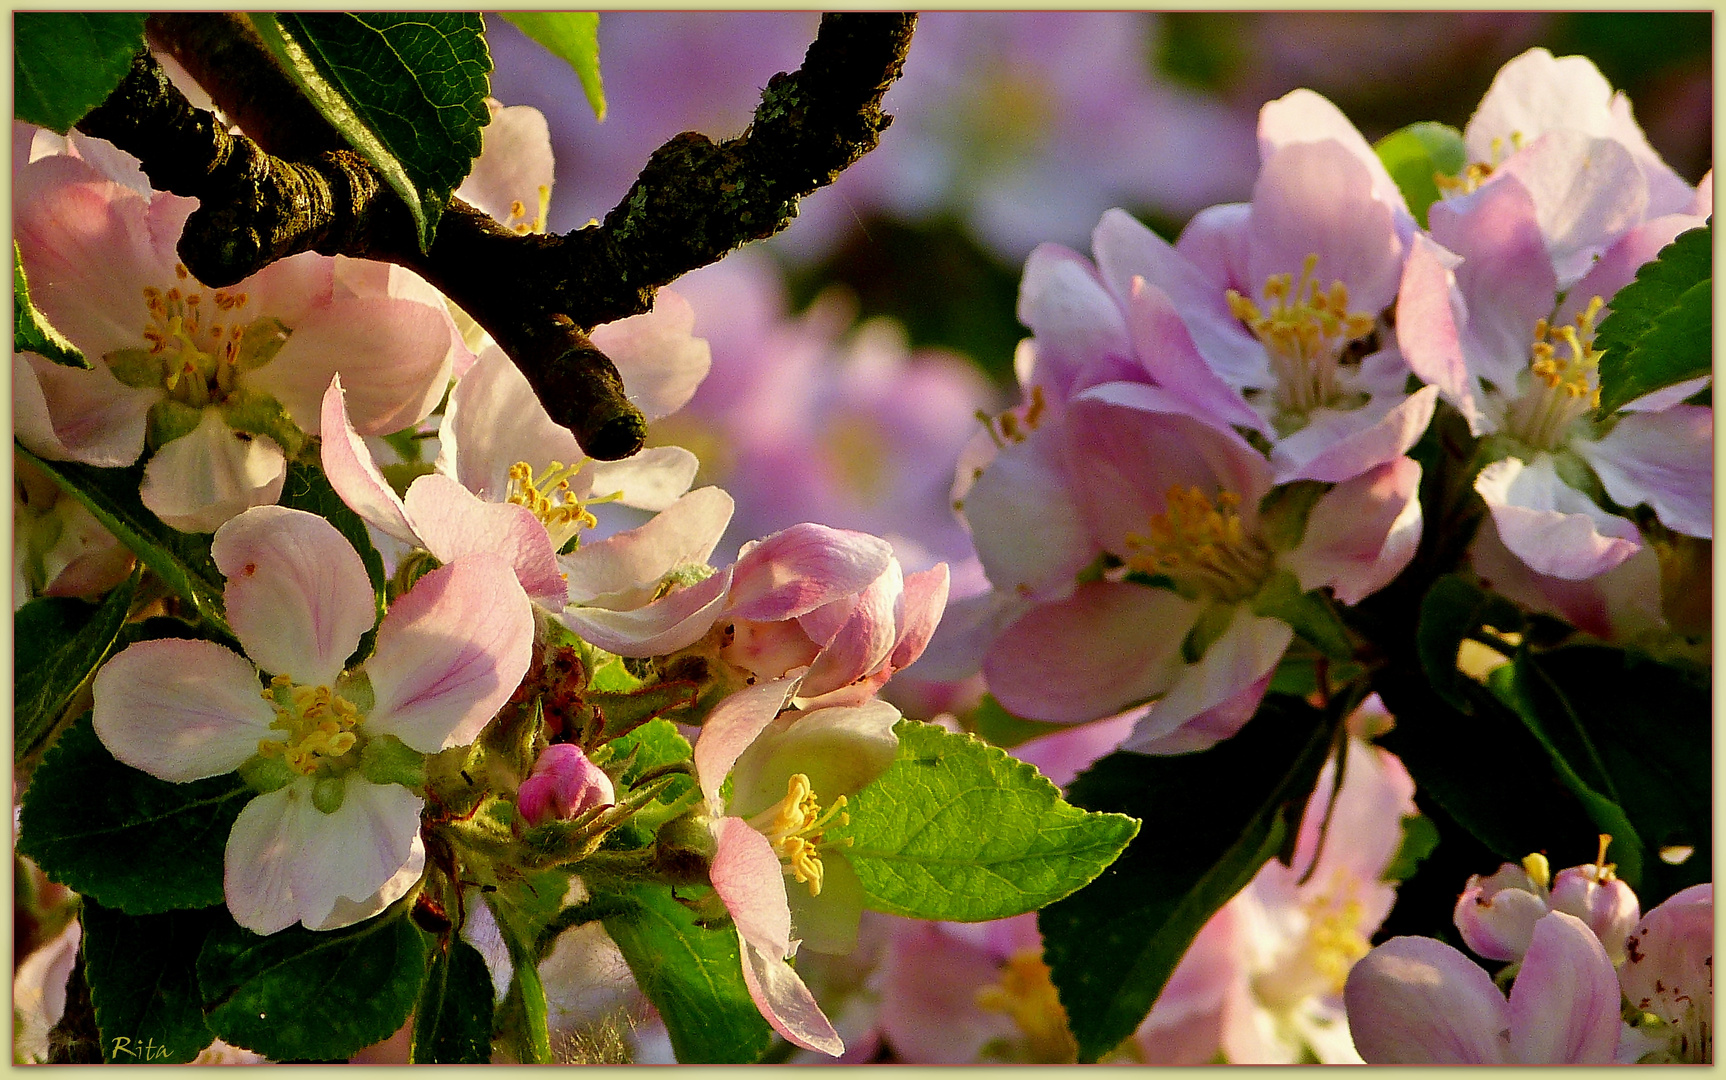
point(328, 792)
point(266, 774)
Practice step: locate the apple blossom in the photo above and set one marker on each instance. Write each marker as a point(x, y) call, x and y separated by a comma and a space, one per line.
point(333, 835)
point(563, 785)
point(1669, 976)
point(221, 386)
point(58, 546)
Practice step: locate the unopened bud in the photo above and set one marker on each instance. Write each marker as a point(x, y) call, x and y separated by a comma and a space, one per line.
point(562, 786)
point(1596, 896)
point(1496, 915)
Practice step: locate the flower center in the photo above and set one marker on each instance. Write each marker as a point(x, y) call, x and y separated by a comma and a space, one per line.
point(520, 223)
point(1202, 546)
point(1320, 962)
point(1016, 424)
point(1027, 994)
point(1306, 330)
point(1477, 172)
point(1563, 383)
point(316, 723)
point(551, 501)
point(794, 825)
point(196, 350)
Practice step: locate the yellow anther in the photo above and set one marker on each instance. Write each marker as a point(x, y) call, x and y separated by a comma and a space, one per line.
point(1026, 993)
point(1305, 327)
point(1538, 869)
point(549, 497)
point(1015, 425)
point(1202, 544)
point(1564, 381)
point(316, 723)
point(794, 826)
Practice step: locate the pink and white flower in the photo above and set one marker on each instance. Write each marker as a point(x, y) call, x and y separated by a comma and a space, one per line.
point(1669, 975)
point(1496, 915)
point(333, 835)
point(1415, 1001)
point(221, 386)
point(781, 767)
point(1172, 504)
point(58, 546)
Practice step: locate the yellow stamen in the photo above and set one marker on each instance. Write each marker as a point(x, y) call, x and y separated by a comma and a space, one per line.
point(549, 496)
point(1305, 329)
point(1202, 545)
point(1564, 384)
point(1027, 994)
point(1538, 869)
point(794, 826)
point(317, 725)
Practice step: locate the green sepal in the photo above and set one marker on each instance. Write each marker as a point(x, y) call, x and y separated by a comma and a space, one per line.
point(385, 759)
point(168, 420)
point(258, 413)
point(1310, 613)
point(266, 774)
point(1284, 510)
point(260, 341)
point(140, 369)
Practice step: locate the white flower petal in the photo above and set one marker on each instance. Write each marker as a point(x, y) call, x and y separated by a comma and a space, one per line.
point(204, 478)
point(180, 710)
point(258, 865)
point(359, 854)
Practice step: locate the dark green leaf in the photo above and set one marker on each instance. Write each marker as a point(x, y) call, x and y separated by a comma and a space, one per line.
point(317, 994)
point(1647, 726)
point(1453, 609)
point(1212, 819)
point(452, 1023)
point(181, 560)
point(144, 982)
point(67, 62)
point(1414, 155)
point(31, 330)
point(60, 643)
point(133, 842)
point(958, 829)
point(1546, 714)
point(573, 37)
point(694, 977)
point(1659, 331)
point(1419, 839)
point(407, 90)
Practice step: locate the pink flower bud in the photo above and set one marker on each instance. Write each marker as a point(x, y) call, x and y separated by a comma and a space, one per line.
point(563, 785)
point(1602, 901)
point(1496, 915)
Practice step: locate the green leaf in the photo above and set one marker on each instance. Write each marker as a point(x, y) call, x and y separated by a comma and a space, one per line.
point(143, 980)
point(958, 829)
point(1414, 155)
point(452, 1022)
point(31, 330)
point(319, 994)
point(573, 37)
point(1517, 686)
point(1215, 818)
point(181, 560)
point(1659, 331)
point(1633, 728)
point(66, 63)
point(406, 90)
point(656, 743)
point(1450, 611)
point(60, 644)
point(1419, 839)
point(133, 842)
point(693, 975)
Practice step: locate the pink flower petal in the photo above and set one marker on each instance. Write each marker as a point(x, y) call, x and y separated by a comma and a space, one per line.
point(353, 853)
point(786, 1003)
point(731, 727)
point(514, 165)
point(1302, 116)
point(1221, 721)
point(1428, 326)
point(747, 876)
point(65, 414)
point(1564, 1008)
point(1075, 320)
point(395, 356)
point(297, 595)
point(1664, 459)
point(1350, 443)
point(180, 710)
point(1108, 646)
point(1063, 755)
point(660, 360)
point(1025, 521)
point(1362, 533)
point(351, 471)
point(862, 642)
point(841, 750)
point(1587, 191)
point(1550, 525)
point(450, 653)
point(663, 626)
point(452, 521)
point(208, 476)
point(1246, 653)
point(921, 605)
point(1416, 1001)
point(799, 569)
point(1167, 350)
point(258, 865)
point(651, 480)
point(624, 570)
point(1670, 970)
point(494, 420)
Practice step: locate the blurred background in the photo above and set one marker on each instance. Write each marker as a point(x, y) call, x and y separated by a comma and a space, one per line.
point(869, 332)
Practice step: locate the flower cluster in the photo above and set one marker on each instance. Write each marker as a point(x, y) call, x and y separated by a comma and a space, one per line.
point(1212, 428)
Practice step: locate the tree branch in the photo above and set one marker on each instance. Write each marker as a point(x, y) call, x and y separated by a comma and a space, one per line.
point(536, 295)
